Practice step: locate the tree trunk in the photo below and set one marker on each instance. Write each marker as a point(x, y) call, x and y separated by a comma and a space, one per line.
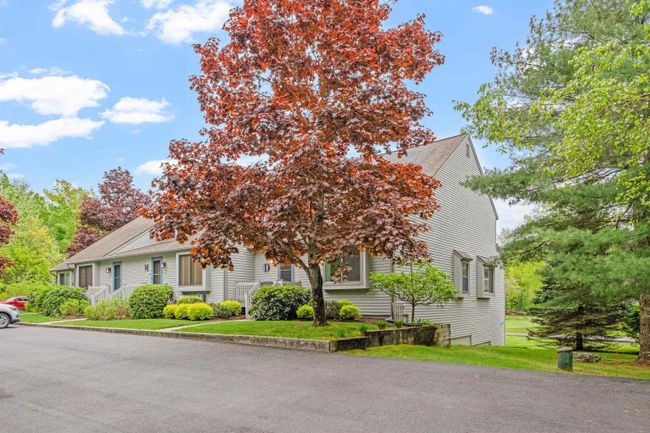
point(644, 330)
point(317, 297)
point(412, 313)
point(580, 341)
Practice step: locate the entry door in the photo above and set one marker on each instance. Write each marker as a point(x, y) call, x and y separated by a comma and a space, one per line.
point(156, 271)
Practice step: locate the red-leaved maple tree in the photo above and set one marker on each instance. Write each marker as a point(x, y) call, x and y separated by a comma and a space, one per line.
point(317, 90)
point(119, 202)
point(8, 219)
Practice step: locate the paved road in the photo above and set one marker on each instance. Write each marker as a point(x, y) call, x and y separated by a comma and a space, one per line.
point(57, 380)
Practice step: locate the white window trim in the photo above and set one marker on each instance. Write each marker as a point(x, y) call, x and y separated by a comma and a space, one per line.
point(194, 288)
point(458, 258)
point(83, 265)
point(351, 285)
point(481, 291)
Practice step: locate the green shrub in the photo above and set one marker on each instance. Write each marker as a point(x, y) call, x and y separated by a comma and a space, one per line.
point(73, 307)
point(169, 312)
point(200, 311)
point(52, 299)
point(113, 309)
point(182, 311)
point(399, 324)
point(421, 322)
point(26, 288)
point(220, 311)
point(278, 302)
point(344, 302)
point(148, 302)
point(306, 312)
point(332, 310)
point(382, 325)
point(38, 295)
point(363, 328)
point(189, 300)
point(350, 312)
point(234, 307)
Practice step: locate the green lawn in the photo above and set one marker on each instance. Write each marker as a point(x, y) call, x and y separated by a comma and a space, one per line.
point(36, 318)
point(519, 353)
point(518, 324)
point(151, 324)
point(282, 328)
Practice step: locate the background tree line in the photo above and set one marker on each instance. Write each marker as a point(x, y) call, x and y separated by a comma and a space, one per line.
point(570, 108)
point(60, 222)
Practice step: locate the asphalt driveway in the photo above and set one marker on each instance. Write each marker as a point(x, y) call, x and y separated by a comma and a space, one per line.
point(57, 380)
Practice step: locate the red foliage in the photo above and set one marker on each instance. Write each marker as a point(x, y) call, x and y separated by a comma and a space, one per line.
point(318, 89)
point(119, 203)
point(8, 218)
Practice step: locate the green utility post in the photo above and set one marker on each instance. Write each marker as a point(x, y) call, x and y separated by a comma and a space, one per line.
point(565, 358)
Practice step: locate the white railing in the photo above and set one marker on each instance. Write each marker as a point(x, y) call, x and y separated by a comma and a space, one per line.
point(98, 293)
point(125, 291)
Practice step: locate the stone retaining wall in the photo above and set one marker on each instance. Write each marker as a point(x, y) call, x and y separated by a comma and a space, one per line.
point(428, 335)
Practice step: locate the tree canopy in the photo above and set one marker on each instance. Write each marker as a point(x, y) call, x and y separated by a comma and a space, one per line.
point(314, 91)
point(570, 108)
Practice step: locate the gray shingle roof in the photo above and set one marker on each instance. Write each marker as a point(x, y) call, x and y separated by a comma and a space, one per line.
point(108, 243)
point(431, 157)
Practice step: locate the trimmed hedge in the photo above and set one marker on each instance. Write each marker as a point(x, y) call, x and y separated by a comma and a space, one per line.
point(49, 300)
point(190, 300)
point(195, 311)
point(349, 312)
point(306, 312)
point(201, 311)
point(148, 302)
point(278, 302)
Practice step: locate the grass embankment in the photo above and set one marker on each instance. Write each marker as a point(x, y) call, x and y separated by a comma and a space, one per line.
point(284, 328)
point(150, 324)
point(520, 353)
point(36, 318)
point(519, 324)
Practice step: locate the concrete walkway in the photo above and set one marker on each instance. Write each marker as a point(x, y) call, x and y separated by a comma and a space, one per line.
point(86, 382)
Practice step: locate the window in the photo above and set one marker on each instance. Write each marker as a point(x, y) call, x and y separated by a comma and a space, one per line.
point(63, 279)
point(353, 274)
point(285, 272)
point(190, 271)
point(117, 275)
point(465, 276)
point(156, 270)
point(85, 276)
point(488, 279)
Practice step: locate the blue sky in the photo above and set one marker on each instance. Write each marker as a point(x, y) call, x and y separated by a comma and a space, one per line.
point(87, 85)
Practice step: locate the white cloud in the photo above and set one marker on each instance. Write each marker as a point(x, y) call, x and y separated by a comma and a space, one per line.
point(92, 13)
point(482, 9)
point(24, 136)
point(179, 24)
point(64, 96)
point(153, 167)
point(158, 4)
point(138, 110)
point(48, 71)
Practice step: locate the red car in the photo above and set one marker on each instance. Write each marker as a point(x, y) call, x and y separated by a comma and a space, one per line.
point(18, 302)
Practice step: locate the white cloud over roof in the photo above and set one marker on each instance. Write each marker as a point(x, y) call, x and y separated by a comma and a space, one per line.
point(179, 24)
point(91, 13)
point(483, 9)
point(138, 110)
